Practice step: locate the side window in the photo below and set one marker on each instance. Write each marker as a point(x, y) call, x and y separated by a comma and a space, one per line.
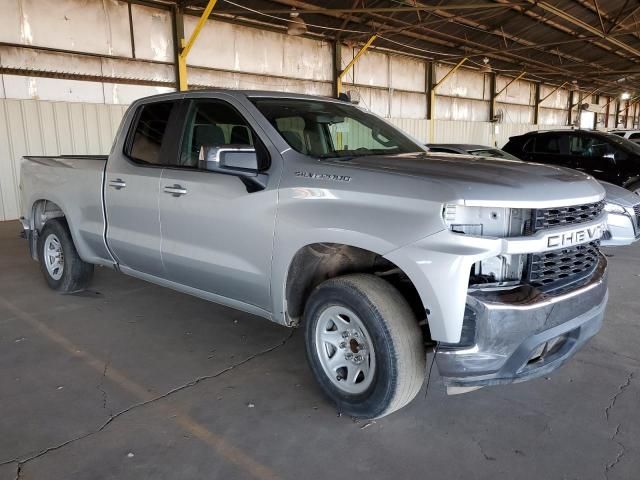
point(214, 123)
point(529, 145)
point(634, 136)
point(146, 140)
point(547, 144)
point(579, 145)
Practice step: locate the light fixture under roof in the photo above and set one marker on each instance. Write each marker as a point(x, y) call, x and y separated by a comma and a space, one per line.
point(485, 68)
point(296, 25)
point(625, 96)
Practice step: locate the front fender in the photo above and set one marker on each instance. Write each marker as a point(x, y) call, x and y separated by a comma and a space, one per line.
point(439, 268)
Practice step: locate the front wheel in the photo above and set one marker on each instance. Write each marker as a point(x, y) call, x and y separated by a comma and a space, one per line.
point(62, 267)
point(364, 345)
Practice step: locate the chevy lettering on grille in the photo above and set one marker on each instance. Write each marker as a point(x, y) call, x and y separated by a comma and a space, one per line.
point(575, 237)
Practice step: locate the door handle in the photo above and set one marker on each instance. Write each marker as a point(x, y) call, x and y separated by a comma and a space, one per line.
point(118, 183)
point(175, 190)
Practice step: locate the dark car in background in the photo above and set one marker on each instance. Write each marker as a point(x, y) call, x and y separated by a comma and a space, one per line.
point(469, 149)
point(607, 157)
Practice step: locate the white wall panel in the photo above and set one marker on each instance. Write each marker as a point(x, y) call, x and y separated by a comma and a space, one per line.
point(417, 128)
point(89, 26)
point(558, 99)
point(408, 105)
point(452, 108)
point(371, 69)
point(218, 79)
point(153, 33)
point(462, 83)
point(53, 89)
point(515, 113)
point(408, 73)
point(232, 47)
point(519, 92)
point(462, 132)
point(549, 116)
point(33, 127)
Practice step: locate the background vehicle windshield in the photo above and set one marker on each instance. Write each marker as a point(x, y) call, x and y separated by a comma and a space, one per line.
point(624, 143)
point(331, 129)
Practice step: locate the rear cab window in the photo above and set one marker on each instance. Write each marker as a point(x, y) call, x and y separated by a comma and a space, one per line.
point(144, 145)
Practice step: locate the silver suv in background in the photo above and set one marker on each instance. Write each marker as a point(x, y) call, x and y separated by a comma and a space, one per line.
point(312, 212)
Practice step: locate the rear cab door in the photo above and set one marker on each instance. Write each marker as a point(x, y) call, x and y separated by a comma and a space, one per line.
point(551, 148)
point(596, 156)
point(132, 180)
point(217, 232)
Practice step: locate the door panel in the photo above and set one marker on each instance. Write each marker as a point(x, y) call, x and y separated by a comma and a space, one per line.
point(132, 182)
point(217, 237)
point(133, 233)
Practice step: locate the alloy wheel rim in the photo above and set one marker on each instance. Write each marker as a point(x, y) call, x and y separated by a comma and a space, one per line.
point(343, 346)
point(53, 256)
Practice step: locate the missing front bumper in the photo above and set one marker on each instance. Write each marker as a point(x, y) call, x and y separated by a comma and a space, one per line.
point(521, 333)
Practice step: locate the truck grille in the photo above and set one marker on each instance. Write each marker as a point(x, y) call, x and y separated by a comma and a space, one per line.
point(560, 268)
point(560, 216)
point(636, 210)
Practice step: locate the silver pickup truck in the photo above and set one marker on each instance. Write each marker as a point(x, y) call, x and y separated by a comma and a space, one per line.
point(313, 212)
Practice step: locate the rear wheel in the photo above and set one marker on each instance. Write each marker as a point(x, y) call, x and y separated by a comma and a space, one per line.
point(364, 345)
point(62, 267)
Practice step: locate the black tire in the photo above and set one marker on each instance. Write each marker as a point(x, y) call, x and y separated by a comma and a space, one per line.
point(400, 357)
point(76, 274)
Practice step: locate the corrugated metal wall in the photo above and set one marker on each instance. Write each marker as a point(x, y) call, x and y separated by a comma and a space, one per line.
point(35, 127)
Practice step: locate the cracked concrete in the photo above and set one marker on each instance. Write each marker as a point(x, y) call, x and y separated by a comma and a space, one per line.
point(175, 410)
point(620, 391)
point(22, 462)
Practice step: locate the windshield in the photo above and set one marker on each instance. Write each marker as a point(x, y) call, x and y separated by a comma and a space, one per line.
point(623, 143)
point(492, 152)
point(331, 129)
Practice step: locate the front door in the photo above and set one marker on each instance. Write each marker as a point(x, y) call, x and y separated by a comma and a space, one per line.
point(132, 188)
point(217, 234)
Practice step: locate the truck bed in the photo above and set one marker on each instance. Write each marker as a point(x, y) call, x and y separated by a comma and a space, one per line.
point(74, 183)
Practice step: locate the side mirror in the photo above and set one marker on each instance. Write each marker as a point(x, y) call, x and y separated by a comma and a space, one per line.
point(241, 159)
point(238, 160)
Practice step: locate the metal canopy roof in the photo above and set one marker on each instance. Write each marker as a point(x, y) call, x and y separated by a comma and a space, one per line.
point(591, 42)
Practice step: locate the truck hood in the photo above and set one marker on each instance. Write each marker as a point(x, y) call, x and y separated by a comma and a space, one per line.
point(496, 182)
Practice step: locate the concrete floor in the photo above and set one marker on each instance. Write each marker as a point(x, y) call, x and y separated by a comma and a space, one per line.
point(132, 381)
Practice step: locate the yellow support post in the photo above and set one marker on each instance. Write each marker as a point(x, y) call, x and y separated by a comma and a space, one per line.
point(552, 92)
point(432, 98)
point(509, 84)
point(186, 46)
point(364, 48)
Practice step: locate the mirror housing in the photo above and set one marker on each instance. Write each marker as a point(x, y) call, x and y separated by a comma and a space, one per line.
point(237, 160)
point(240, 159)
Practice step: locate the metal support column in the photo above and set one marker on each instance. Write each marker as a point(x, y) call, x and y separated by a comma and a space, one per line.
point(495, 95)
point(341, 75)
point(185, 47)
point(337, 61)
point(536, 105)
point(430, 80)
point(570, 109)
point(432, 96)
point(492, 96)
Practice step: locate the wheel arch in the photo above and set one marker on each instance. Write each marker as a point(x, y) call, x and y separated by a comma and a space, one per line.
point(314, 263)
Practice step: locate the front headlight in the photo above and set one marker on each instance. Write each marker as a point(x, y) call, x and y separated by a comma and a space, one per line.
point(614, 208)
point(484, 221)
